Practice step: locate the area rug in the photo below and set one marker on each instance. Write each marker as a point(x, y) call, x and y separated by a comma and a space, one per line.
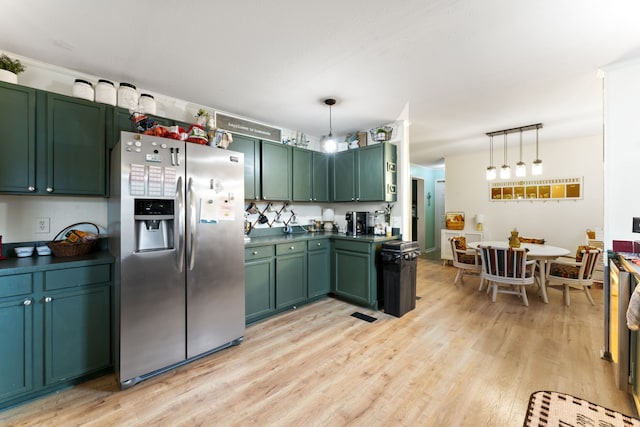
point(550, 408)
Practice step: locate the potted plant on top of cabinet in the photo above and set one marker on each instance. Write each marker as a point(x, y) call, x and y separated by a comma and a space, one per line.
point(9, 69)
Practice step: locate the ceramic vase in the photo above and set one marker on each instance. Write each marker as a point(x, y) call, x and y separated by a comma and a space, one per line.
point(8, 76)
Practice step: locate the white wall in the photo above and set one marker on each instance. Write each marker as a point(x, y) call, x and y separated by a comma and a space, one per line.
point(622, 150)
point(560, 223)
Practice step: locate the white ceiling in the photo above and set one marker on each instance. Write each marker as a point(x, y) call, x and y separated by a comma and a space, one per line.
point(461, 67)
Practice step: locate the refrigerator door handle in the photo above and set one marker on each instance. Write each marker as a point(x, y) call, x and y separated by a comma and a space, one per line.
point(191, 259)
point(180, 225)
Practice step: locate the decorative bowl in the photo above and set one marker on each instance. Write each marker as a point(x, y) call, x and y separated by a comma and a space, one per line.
point(43, 250)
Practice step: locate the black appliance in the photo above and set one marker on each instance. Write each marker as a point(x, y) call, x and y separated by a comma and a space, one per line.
point(399, 264)
point(356, 222)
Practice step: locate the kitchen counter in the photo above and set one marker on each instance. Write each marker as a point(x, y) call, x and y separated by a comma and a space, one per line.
point(36, 263)
point(283, 238)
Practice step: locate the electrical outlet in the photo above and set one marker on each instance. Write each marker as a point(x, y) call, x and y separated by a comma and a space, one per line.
point(42, 225)
point(635, 228)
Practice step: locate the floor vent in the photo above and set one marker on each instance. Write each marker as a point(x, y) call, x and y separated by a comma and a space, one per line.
point(364, 317)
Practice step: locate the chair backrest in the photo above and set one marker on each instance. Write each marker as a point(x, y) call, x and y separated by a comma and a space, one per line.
point(589, 260)
point(458, 243)
point(502, 262)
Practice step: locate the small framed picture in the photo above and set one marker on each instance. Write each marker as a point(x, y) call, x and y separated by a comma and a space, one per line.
point(454, 220)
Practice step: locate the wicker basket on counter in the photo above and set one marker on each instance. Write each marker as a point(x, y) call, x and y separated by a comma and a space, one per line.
point(62, 248)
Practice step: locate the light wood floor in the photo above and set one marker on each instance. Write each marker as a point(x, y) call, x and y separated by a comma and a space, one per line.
point(456, 360)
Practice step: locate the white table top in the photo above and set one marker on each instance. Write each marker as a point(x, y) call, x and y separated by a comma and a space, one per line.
point(535, 251)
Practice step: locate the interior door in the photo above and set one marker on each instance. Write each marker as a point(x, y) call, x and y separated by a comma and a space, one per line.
point(439, 209)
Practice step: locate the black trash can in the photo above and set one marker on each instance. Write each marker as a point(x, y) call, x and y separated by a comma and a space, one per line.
point(399, 261)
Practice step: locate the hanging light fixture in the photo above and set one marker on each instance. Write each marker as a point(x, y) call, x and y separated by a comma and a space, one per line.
point(536, 167)
point(330, 144)
point(521, 167)
point(491, 170)
point(505, 170)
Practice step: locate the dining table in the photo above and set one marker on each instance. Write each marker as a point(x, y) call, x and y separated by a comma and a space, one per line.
point(543, 254)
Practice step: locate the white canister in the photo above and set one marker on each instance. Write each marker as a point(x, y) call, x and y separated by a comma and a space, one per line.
point(127, 96)
point(148, 103)
point(83, 89)
point(105, 92)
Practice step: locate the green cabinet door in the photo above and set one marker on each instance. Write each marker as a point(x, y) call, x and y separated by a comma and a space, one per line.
point(77, 332)
point(291, 279)
point(251, 149)
point(351, 276)
point(16, 347)
point(344, 185)
point(259, 288)
point(17, 139)
point(318, 268)
point(75, 146)
point(371, 173)
point(276, 171)
point(320, 177)
point(302, 170)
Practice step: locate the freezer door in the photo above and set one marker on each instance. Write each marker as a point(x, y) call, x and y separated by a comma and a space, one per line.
point(215, 248)
point(151, 285)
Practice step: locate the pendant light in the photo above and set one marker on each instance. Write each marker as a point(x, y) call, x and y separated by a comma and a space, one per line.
point(536, 167)
point(505, 170)
point(491, 170)
point(330, 144)
point(521, 167)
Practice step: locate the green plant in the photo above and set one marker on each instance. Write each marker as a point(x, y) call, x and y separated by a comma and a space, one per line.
point(387, 213)
point(14, 66)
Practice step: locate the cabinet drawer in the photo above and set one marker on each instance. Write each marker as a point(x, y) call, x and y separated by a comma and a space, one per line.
point(77, 276)
point(352, 246)
point(291, 248)
point(315, 245)
point(18, 284)
point(258, 252)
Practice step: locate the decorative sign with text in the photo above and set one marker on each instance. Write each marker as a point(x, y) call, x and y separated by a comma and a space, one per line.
point(245, 127)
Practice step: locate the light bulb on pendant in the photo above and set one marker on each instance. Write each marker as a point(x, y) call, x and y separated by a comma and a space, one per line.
point(491, 170)
point(505, 170)
point(521, 167)
point(536, 167)
point(330, 144)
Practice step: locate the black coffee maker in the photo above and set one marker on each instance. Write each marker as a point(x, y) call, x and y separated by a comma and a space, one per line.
point(356, 223)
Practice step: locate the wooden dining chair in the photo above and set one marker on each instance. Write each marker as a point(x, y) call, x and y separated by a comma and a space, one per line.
point(568, 274)
point(465, 260)
point(507, 270)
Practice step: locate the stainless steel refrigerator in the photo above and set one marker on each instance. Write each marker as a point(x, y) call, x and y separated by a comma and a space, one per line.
point(176, 222)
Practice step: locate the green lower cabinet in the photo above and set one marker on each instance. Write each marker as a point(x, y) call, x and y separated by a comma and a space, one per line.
point(55, 330)
point(259, 288)
point(291, 274)
point(355, 278)
point(77, 331)
point(16, 347)
point(318, 268)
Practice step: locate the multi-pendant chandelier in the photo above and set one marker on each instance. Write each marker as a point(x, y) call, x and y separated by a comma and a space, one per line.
point(521, 167)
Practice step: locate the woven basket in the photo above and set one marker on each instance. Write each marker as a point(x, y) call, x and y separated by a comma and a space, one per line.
point(65, 249)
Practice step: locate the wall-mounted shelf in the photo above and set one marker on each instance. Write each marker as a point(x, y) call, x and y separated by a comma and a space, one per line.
point(536, 189)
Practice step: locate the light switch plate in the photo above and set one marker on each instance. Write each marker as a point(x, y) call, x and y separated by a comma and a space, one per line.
point(636, 225)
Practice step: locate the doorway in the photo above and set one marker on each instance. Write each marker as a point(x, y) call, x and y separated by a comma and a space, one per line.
point(438, 206)
point(418, 213)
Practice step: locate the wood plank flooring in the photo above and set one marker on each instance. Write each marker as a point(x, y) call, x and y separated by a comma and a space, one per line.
point(456, 360)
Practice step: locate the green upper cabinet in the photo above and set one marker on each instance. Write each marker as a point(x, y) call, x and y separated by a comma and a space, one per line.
point(366, 174)
point(344, 175)
point(76, 150)
point(251, 149)
point(276, 171)
point(17, 139)
point(310, 176)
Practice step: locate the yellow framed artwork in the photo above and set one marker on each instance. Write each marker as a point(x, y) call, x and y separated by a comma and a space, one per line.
point(537, 189)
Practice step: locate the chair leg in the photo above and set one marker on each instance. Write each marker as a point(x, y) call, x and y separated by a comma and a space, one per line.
point(495, 292)
point(523, 292)
point(565, 295)
point(458, 275)
point(481, 282)
point(589, 297)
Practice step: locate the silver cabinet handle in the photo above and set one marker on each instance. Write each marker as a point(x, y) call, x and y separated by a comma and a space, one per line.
point(49, 190)
point(254, 253)
point(31, 188)
point(318, 244)
point(48, 299)
point(292, 247)
point(26, 302)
